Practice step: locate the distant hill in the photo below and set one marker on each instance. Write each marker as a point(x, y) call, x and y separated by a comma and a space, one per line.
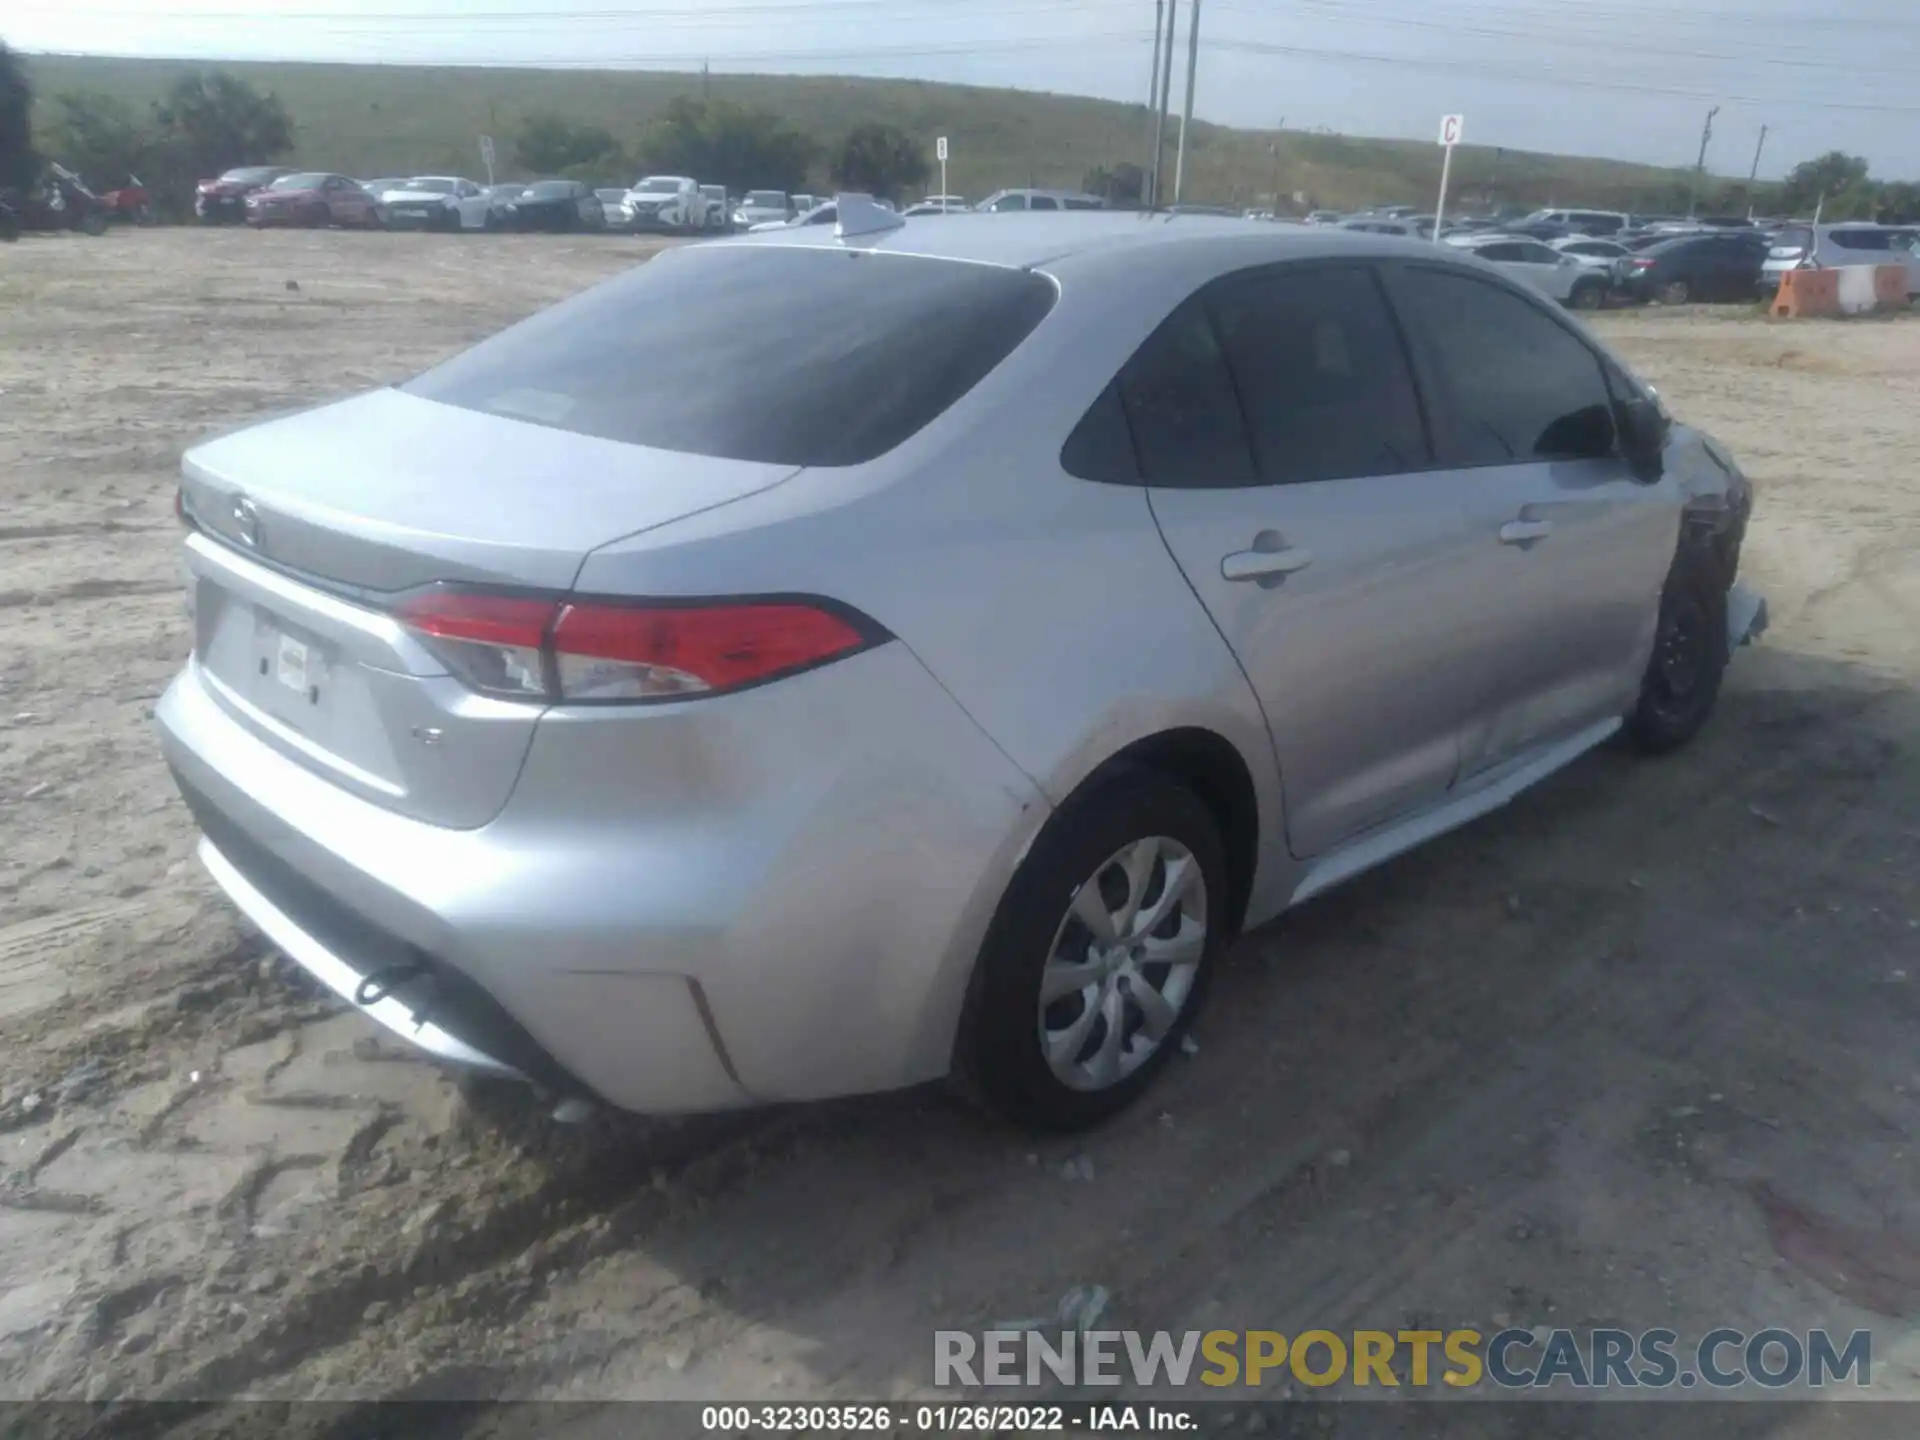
point(382, 119)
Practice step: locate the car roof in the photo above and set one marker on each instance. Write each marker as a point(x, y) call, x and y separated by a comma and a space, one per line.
point(1029, 239)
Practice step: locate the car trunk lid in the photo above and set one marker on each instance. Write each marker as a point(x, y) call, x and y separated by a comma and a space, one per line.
point(308, 529)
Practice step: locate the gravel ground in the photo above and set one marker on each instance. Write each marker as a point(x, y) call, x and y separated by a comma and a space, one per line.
point(1637, 1050)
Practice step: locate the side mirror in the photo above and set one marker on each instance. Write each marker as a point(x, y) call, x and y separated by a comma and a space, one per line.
point(1643, 437)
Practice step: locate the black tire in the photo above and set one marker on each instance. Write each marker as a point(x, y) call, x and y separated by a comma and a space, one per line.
point(93, 222)
point(1676, 292)
point(1689, 659)
point(999, 1058)
point(1588, 295)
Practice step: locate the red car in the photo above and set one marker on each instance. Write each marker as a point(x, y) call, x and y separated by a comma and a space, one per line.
point(314, 198)
point(225, 198)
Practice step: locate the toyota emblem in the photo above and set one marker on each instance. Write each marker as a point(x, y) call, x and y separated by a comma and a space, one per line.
point(246, 515)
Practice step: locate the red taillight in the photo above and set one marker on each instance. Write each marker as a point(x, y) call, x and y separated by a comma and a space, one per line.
point(548, 649)
point(1640, 262)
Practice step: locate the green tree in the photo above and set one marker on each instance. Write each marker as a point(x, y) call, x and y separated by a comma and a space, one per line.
point(548, 144)
point(724, 144)
point(101, 136)
point(1832, 175)
point(1899, 203)
point(1122, 185)
point(19, 164)
point(879, 159)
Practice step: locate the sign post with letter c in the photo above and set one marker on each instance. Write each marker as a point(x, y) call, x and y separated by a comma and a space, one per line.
point(940, 153)
point(1450, 130)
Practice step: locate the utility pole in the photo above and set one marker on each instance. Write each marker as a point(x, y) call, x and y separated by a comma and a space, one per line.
point(1273, 149)
point(1186, 108)
point(1160, 115)
point(706, 88)
point(1700, 165)
point(1753, 175)
point(1153, 74)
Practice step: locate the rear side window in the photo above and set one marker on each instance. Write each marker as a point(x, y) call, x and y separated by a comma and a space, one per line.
point(1078, 204)
point(1321, 375)
point(1180, 405)
point(1861, 239)
point(724, 352)
point(1503, 251)
point(1044, 202)
point(1521, 386)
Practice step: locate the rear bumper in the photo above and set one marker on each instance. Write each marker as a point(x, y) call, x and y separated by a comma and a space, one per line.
point(756, 899)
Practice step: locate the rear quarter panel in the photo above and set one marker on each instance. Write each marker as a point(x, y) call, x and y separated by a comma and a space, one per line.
point(1048, 606)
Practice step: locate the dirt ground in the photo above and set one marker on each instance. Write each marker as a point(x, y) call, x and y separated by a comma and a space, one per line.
point(1638, 1050)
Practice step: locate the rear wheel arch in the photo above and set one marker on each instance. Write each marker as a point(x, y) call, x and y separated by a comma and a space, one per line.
point(1208, 764)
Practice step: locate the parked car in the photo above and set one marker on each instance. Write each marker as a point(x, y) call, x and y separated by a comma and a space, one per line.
point(1825, 247)
point(314, 198)
point(130, 202)
point(924, 208)
point(1558, 276)
point(557, 205)
point(1605, 257)
point(57, 200)
point(1712, 265)
point(439, 202)
point(1324, 217)
point(1583, 222)
point(225, 198)
point(760, 207)
point(667, 202)
point(613, 205)
point(1029, 199)
point(1386, 225)
point(616, 794)
point(827, 212)
point(1221, 212)
point(804, 203)
point(719, 214)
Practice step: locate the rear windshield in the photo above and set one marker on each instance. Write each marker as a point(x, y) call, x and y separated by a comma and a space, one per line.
point(793, 357)
point(431, 184)
point(766, 199)
point(550, 190)
point(312, 181)
point(1793, 238)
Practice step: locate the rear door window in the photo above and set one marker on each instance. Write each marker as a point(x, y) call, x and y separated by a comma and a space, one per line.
point(1044, 202)
point(1179, 400)
point(1860, 239)
point(1321, 374)
point(1521, 386)
point(753, 372)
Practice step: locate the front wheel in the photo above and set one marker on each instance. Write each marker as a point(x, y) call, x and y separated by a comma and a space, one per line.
point(93, 222)
point(1689, 659)
point(1588, 295)
point(1099, 955)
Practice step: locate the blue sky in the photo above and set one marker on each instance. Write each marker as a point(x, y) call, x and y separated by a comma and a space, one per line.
point(1629, 78)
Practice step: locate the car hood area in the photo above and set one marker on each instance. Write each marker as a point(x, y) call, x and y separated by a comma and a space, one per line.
point(387, 490)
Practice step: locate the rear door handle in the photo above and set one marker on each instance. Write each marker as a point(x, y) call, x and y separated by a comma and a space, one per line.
point(1255, 564)
point(1525, 532)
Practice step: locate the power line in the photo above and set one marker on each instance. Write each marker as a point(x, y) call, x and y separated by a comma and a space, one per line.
point(1550, 77)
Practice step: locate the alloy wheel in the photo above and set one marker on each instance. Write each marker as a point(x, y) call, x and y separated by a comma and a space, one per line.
point(1123, 963)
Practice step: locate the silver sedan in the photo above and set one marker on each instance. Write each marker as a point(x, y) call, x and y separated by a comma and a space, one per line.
point(738, 722)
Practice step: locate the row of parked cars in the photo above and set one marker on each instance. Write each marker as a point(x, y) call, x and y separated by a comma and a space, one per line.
point(1592, 257)
point(667, 204)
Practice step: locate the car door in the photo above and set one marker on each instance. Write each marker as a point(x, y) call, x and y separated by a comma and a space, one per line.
point(471, 201)
point(339, 194)
point(1285, 450)
point(1570, 548)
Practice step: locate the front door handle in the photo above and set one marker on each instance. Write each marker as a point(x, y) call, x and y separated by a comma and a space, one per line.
point(1525, 532)
point(1260, 564)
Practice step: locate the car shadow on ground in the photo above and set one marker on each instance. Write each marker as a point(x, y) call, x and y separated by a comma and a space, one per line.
point(1634, 1051)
